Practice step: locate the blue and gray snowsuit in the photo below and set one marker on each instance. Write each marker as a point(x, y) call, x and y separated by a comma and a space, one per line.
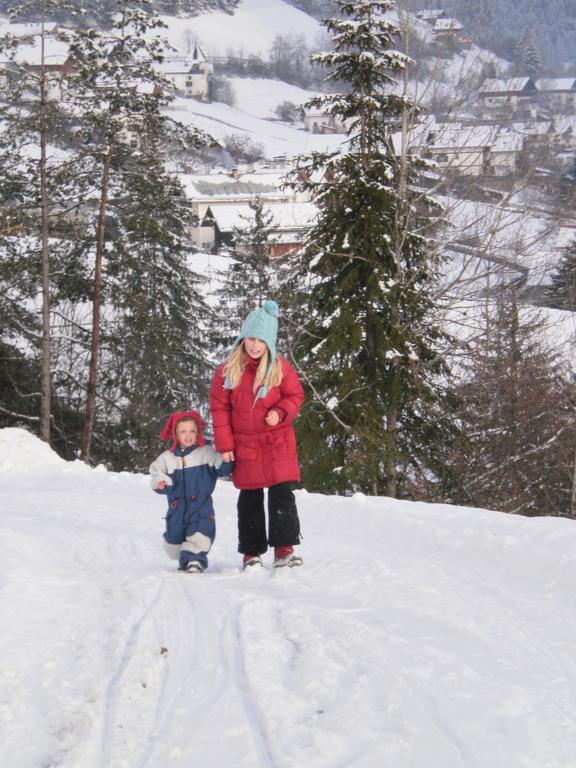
point(191, 476)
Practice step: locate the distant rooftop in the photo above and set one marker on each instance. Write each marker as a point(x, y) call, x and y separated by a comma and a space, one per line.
point(286, 216)
point(224, 185)
point(556, 84)
point(446, 25)
point(510, 85)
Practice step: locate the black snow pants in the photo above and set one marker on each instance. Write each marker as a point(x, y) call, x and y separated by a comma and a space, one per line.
point(283, 522)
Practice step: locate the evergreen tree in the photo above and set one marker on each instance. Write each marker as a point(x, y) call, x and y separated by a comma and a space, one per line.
point(561, 293)
point(367, 344)
point(118, 100)
point(248, 281)
point(37, 190)
point(156, 347)
point(515, 452)
point(527, 58)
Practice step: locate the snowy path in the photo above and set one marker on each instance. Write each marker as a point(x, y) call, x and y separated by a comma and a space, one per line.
point(415, 636)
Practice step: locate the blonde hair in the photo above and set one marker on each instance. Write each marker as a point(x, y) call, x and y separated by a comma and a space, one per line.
point(236, 362)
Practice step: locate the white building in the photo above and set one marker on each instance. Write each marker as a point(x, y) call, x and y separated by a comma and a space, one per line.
point(290, 220)
point(217, 190)
point(513, 96)
point(472, 151)
point(319, 121)
point(558, 94)
point(189, 76)
point(57, 63)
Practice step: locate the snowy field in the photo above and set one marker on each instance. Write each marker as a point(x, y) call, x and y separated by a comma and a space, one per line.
point(415, 636)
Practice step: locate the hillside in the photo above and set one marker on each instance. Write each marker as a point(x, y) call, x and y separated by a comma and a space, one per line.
point(415, 636)
point(499, 24)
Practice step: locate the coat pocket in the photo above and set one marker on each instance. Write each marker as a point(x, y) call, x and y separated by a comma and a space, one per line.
point(246, 453)
point(280, 445)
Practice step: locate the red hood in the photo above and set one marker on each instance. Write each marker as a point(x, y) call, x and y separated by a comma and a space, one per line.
point(169, 431)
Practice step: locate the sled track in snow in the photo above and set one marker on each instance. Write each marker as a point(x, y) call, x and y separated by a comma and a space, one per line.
point(112, 690)
point(204, 667)
point(242, 682)
point(231, 666)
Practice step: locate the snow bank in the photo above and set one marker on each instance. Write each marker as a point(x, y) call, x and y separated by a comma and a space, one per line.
point(21, 450)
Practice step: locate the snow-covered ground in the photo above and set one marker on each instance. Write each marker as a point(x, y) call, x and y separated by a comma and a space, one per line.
point(415, 635)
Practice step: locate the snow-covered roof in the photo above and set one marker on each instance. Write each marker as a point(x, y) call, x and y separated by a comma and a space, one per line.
point(507, 141)
point(566, 236)
point(556, 84)
point(447, 25)
point(455, 136)
point(510, 85)
point(55, 51)
point(564, 123)
point(28, 29)
point(175, 66)
point(430, 15)
point(532, 127)
point(287, 216)
point(223, 185)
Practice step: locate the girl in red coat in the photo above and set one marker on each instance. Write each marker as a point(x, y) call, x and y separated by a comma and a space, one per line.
point(255, 396)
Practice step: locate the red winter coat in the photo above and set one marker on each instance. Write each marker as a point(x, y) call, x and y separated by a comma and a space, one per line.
point(264, 455)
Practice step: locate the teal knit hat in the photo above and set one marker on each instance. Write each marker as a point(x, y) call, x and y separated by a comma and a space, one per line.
point(260, 324)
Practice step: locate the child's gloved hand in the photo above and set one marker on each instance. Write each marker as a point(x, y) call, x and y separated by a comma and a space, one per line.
point(272, 418)
point(161, 485)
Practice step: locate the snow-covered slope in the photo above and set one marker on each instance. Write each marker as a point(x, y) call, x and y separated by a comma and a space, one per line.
point(221, 120)
point(251, 29)
point(415, 636)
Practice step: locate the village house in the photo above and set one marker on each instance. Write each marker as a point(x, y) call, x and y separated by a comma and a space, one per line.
point(189, 76)
point(504, 154)
point(512, 97)
point(557, 94)
point(448, 36)
point(472, 151)
point(460, 151)
point(432, 15)
point(319, 121)
point(58, 64)
point(8, 75)
point(564, 131)
point(237, 189)
point(290, 220)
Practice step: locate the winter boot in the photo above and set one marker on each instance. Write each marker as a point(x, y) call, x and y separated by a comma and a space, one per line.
point(284, 557)
point(192, 566)
point(251, 561)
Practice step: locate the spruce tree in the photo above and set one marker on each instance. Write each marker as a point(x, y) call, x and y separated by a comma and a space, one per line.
point(118, 96)
point(561, 293)
point(527, 58)
point(248, 281)
point(515, 451)
point(367, 342)
point(37, 190)
point(155, 347)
